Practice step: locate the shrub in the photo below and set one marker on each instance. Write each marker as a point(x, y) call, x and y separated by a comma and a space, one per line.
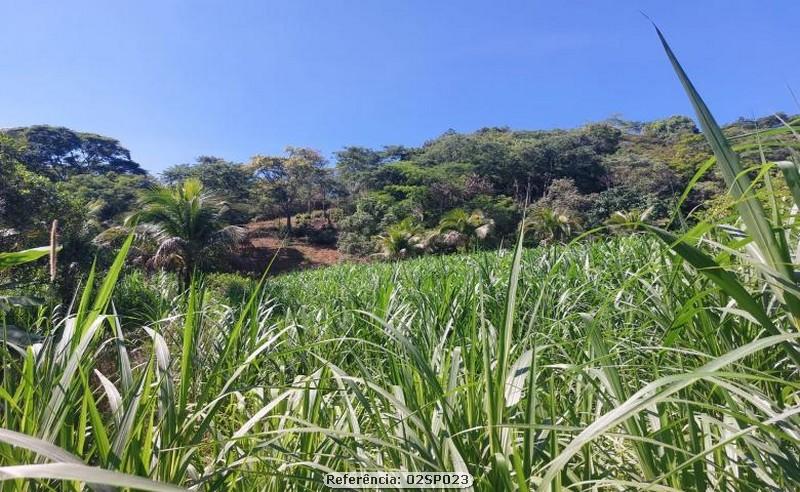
point(621, 199)
point(230, 288)
point(503, 210)
point(336, 214)
point(301, 219)
point(141, 298)
point(355, 244)
point(324, 235)
point(402, 240)
point(671, 128)
point(563, 198)
point(358, 229)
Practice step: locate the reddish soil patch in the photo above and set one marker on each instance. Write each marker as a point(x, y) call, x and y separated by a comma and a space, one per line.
point(265, 241)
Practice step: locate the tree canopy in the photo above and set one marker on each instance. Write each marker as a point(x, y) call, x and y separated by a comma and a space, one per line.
point(59, 152)
point(573, 178)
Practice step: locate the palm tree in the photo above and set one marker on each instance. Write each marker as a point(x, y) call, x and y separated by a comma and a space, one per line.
point(629, 218)
point(184, 221)
point(549, 225)
point(471, 225)
point(401, 240)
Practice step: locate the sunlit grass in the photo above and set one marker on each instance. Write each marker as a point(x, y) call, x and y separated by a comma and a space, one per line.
point(395, 367)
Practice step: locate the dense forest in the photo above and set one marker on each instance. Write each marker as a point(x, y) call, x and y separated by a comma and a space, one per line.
point(456, 192)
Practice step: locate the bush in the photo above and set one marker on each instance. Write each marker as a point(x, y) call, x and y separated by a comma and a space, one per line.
point(503, 210)
point(625, 200)
point(336, 214)
point(358, 229)
point(141, 298)
point(670, 129)
point(300, 220)
point(563, 197)
point(325, 235)
point(229, 288)
point(353, 243)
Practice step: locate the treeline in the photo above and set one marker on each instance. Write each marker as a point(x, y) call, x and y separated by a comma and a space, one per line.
point(454, 192)
point(460, 190)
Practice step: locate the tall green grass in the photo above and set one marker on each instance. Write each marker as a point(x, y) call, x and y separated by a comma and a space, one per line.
point(651, 361)
point(623, 368)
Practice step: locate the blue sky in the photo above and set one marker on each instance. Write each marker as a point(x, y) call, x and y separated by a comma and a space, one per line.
point(177, 79)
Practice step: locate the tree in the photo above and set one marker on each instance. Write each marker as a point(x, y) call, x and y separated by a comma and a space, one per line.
point(29, 203)
point(59, 152)
point(290, 181)
point(549, 225)
point(223, 178)
point(354, 165)
point(669, 129)
point(574, 155)
point(358, 229)
point(401, 240)
point(358, 168)
point(113, 194)
point(471, 225)
point(563, 198)
point(185, 221)
point(231, 181)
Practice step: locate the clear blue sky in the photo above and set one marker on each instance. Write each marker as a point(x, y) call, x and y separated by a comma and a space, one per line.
point(177, 79)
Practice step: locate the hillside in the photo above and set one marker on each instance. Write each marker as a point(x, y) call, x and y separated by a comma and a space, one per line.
point(264, 242)
point(454, 193)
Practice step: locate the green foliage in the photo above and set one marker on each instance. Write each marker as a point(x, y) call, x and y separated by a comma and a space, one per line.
point(502, 210)
point(323, 235)
point(474, 226)
point(493, 170)
point(587, 174)
point(21, 299)
point(29, 203)
point(483, 358)
point(230, 181)
point(358, 168)
point(20, 190)
point(142, 298)
point(185, 220)
point(289, 182)
point(401, 240)
point(359, 228)
point(24, 190)
point(10, 259)
point(563, 198)
point(353, 243)
point(551, 226)
point(59, 152)
point(229, 288)
point(316, 228)
point(114, 194)
point(670, 129)
point(635, 183)
point(771, 252)
point(607, 202)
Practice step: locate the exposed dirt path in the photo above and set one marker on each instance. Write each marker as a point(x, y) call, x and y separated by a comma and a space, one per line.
point(264, 241)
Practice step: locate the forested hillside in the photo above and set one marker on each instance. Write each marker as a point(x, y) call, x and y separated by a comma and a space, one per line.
point(455, 192)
